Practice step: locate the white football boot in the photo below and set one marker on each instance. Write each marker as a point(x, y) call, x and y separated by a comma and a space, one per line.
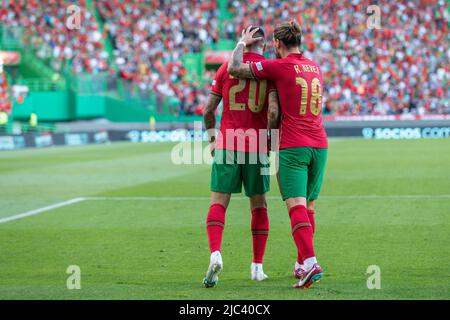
point(215, 266)
point(257, 273)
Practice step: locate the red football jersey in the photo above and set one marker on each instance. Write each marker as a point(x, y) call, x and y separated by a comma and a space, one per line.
point(299, 84)
point(244, 114)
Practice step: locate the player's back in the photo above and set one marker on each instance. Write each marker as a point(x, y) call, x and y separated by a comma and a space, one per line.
point(300, 95)
point(245, 104)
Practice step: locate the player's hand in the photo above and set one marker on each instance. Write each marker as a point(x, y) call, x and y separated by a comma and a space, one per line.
point(247, 36)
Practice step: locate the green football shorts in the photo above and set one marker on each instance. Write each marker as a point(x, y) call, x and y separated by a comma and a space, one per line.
point(232, 169)
point(301, 172)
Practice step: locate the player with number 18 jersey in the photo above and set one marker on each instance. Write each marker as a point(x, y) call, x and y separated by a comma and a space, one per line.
point(303, 148)
point(299, 84)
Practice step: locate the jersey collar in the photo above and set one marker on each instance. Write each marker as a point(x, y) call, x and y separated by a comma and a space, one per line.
point(295, 55)
point(252, 55)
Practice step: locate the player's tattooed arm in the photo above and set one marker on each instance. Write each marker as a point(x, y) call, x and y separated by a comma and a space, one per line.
point(209, 113)
point(273, 114)
point(236, 67)
point(209, 116)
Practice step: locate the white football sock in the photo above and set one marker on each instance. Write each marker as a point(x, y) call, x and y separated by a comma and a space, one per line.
point(216, 256)
point(299, 266)
point(257, 267)
point(310, 262)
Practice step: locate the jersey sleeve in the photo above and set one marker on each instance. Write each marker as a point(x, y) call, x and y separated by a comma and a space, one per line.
point(265, 69)
point(217, 84)
point(271, 86)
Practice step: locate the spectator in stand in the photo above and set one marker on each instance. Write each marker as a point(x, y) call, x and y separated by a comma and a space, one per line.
point(401, 68)
point(45, 30)
point(5, 103)
point(151, 38)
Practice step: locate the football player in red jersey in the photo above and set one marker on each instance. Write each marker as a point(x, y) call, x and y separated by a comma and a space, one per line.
point(303, 141)
point(240, 157)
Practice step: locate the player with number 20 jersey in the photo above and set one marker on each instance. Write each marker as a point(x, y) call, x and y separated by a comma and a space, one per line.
point(240, 158)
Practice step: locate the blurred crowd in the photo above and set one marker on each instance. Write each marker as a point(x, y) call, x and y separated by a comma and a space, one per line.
point(150, 39)
point(5, 104)
point(46, 30)
point(400, 68)
point(403, 67)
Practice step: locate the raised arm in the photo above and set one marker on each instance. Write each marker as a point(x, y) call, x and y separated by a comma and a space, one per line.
point(236, 66)
point(273, 114)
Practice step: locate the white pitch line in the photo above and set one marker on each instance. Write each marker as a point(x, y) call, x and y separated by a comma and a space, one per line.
point(76, 200)
point(40, 210)
point(147, 198)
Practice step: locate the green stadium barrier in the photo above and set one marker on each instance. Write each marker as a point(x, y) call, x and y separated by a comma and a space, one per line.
point(120, 111)
point(89, 106)
point(48, 105)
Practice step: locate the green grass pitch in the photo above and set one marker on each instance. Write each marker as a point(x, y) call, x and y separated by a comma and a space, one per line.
point(384, 203)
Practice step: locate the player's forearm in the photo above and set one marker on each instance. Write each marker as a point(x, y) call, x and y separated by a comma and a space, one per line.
point(210, 125)
point(273, 114)
point(236, 67)
point(209, 114)
point(273, 122)
point(236, 59)
point(210, 120)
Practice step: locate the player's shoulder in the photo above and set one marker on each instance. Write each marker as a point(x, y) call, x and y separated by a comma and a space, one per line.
point(253, 57)
point(281, 61)
point(223, 66)
point(310, 64)
point(272, 62)
point(223, 69)
point(307, 60)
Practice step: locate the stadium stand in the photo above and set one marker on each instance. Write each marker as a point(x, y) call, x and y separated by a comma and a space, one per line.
point(5, 104)
point(400, 69)
point(80, 49)
point(150, 39)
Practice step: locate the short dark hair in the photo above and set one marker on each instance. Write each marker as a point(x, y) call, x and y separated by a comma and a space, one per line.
point(289, 33)
point(259, 33)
